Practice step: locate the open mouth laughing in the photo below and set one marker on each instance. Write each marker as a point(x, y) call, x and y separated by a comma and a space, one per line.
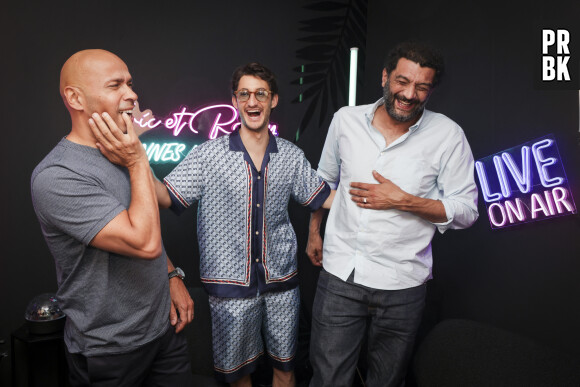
point(254, 114)
point(129, 112)
point(404, 103)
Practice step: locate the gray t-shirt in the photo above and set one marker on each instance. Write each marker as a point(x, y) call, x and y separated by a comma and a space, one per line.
point(113, 303)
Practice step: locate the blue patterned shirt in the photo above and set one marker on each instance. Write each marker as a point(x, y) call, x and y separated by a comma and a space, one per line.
point(246, 241)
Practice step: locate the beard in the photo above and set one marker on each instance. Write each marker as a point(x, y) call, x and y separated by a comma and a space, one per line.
point(390, 98)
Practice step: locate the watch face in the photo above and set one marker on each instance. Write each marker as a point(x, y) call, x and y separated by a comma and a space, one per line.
point(177, 272)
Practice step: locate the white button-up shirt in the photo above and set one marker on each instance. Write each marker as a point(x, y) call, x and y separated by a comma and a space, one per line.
point(391, 249)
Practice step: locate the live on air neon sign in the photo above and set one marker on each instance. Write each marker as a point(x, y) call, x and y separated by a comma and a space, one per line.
point(525, 183)
point(214, 120)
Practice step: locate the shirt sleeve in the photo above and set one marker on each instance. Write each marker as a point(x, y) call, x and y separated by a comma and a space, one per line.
point(185, 182)
point(72, 203)
point(329, 165)
point(456, 182)
point(309, 189)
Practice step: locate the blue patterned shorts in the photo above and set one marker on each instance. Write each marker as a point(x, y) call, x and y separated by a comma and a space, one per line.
point(241, 326)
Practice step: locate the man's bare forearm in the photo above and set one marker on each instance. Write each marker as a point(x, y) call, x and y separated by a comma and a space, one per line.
point(162, 193)
point(143, 210)
point(328, 202)
point(315, 220)
point(429, 209)
point(135, 232)
point(314, 245)
point(386, 195)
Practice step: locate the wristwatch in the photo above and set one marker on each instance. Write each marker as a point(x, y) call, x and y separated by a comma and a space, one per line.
point(177, 272)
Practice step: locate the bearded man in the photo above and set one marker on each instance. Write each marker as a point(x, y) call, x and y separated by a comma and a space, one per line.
point(377, 246)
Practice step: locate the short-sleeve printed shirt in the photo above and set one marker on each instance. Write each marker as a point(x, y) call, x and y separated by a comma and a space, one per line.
point(246, 241)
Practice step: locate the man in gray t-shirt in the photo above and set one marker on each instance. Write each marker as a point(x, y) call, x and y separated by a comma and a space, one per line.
point(100, 220)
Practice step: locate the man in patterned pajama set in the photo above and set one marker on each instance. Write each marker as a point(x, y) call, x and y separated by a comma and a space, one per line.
point(242, 184)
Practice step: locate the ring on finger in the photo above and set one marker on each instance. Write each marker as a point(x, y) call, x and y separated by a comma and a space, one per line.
point(365, 200)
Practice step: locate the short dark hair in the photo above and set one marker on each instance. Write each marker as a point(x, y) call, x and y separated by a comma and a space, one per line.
point(420, 53)
point(256, 70)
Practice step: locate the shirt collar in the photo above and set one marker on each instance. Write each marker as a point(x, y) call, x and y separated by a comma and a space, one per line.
point(370, 114)
point(236, 144)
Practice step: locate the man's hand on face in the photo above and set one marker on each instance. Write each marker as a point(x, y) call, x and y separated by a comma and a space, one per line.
point(383, 196)
point(119, 148)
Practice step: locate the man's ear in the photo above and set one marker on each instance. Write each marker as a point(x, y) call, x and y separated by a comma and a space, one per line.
point(73, 97)
point(274, 100)
point(385, 77)
point(235, 101)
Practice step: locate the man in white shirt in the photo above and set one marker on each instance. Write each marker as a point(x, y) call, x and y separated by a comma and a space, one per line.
point(401, 172)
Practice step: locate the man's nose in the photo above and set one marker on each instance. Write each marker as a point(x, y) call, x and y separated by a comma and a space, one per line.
point(409, 92)
point(252, 100)
point(131, 95)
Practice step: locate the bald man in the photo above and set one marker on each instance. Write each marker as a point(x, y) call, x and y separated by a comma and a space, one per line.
point(99, 216)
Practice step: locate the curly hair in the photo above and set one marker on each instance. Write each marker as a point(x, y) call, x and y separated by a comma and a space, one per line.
point(256, 70)
point(418, 52)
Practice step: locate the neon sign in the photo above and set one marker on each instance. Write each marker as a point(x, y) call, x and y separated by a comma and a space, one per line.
point(529, 184)
point(216, 120)
point(171, 152)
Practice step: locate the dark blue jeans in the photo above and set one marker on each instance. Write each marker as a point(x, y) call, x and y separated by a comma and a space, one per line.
point(339, 324)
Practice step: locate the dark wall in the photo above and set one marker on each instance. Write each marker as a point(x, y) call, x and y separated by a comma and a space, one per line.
point(522, 278)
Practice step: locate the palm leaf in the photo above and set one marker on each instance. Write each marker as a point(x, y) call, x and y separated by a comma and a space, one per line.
point(306, 119)
point(318, 38)
point(323, 105)
point(311, 67)
point(324, 56)
point(326, 6)
point(308, 79)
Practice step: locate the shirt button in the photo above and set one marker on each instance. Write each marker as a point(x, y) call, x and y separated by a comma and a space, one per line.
point(257, 260)
point(257, 232)
point(259, 177)
point(258, 205)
